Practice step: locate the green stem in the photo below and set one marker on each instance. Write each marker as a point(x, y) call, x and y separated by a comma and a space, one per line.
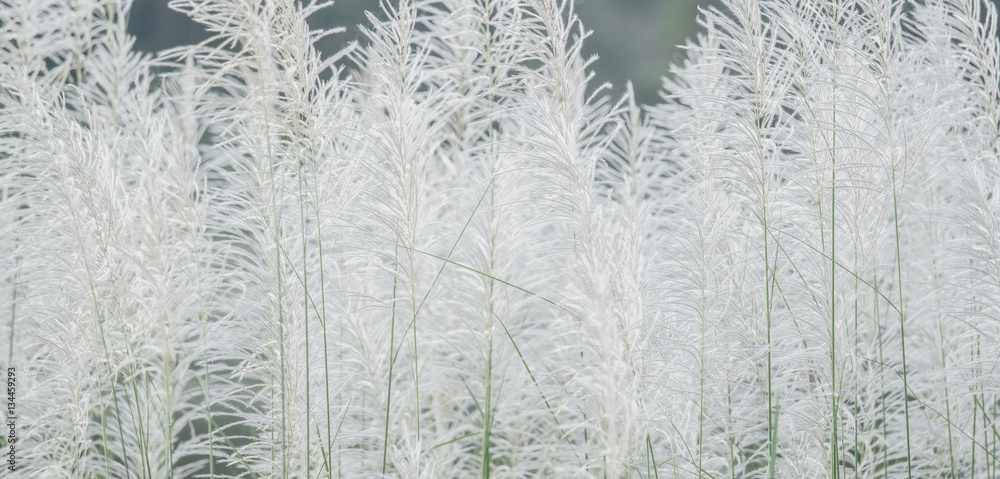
point(902, 320)
point(392, 360)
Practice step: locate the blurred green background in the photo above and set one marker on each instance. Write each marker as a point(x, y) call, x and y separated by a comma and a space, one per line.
point(633, 39)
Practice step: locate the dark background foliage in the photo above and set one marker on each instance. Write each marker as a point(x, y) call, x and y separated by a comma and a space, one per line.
point(634, 40)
